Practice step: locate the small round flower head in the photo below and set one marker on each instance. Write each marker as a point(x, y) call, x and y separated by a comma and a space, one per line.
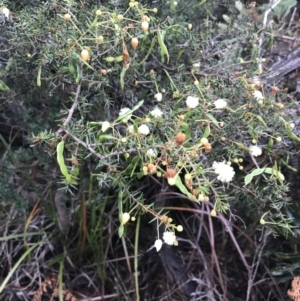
point(255, 150)
point(158, 97)
point(156, 112)
point(225, 172)
point(144, 129)
point(213, 212)
point(158, 244)
point(169, 237)
point(123, 111)
point(258, 95)
point(152, 153)
point(200, 197)
point(220, 103)
point(105, 126)
point(192, 102)
point(171, 181)
point(179, 228)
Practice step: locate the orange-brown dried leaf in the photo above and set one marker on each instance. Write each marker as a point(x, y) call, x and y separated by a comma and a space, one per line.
point(126, 58)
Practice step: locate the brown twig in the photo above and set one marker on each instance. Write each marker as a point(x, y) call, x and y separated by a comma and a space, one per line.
point(71, 111)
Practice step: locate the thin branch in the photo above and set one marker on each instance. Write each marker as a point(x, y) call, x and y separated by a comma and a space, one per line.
point(254, 268)
point(261, 38)
point(101, 157)
point(71, 111)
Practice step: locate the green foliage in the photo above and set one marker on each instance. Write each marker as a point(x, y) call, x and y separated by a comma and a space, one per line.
point(104, 35)
point(178, 109)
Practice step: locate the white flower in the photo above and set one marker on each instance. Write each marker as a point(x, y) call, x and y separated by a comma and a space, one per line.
point(257, 95)
point(192, 102)
point(158, 244)
point(131, 129)
point(158, 97)
point(5, 11)
point(123, 111)
point(200, 197)
point(105, 126)
point(143, 129)
point(196, 65)
point(224, 171)
point(151, 153)
point(255, 150)
point(169, 237)
point(220, 103)
point(156, 112)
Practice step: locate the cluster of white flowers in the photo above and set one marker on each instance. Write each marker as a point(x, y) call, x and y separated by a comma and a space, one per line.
point(169, 237)
point(192, 102)
point(220, 103)
point(156, 112)
point(257, 95)
point(5, 11)
point(158, 97)
point(143, 129)
point(123, 111)
point(224, 171)
point(152, 153)
point(255, 150)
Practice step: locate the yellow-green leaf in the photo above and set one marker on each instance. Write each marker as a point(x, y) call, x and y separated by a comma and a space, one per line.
point(206, 132)
point(122, 74)
point(163, 47)
point(182, 188)
point(109, 59)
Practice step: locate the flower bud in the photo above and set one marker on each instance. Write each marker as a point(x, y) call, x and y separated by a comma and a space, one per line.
point(85, 56)
point(204, 141)
point(207, 148)
point(262, 221)
point(67, 17)
point(105, 126)
point(134, 43)
point(158, 244)
point(145, 26)
point(125, 218)
point(180, 138)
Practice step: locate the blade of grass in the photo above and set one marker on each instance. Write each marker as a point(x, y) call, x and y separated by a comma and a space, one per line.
point(4, 238)
point(5, 281)
point(136, 254)
point(60, 281)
